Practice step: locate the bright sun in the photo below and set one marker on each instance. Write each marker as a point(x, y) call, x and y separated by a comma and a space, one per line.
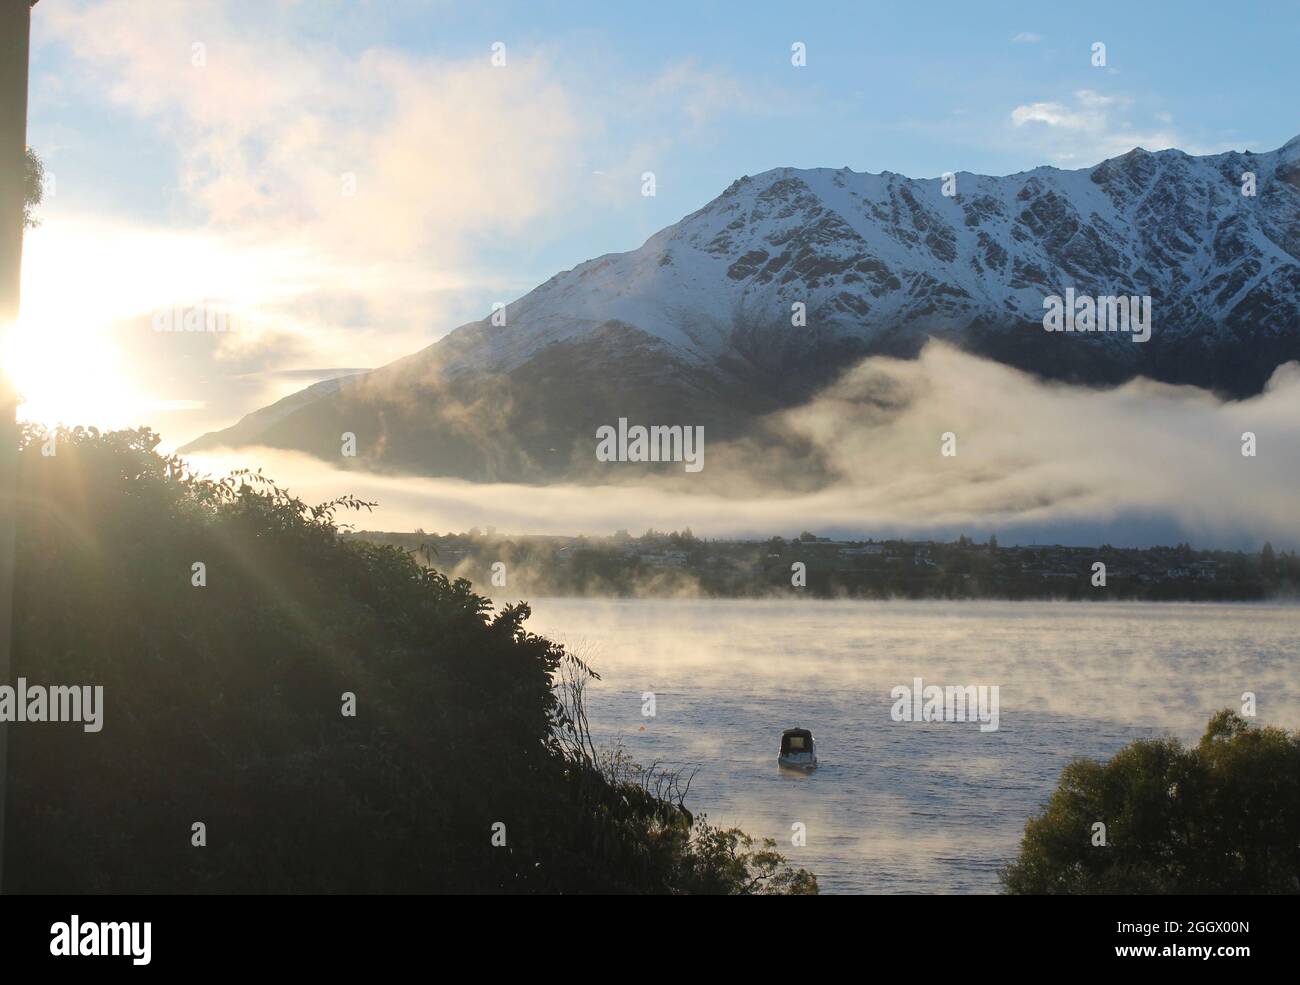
point(66, 377)
point(81, 350)
point(78, 283)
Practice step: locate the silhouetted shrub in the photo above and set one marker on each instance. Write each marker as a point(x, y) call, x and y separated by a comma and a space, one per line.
point(1222, 816)
point(223, 705)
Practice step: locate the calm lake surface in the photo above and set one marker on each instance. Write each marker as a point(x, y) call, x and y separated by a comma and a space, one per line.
point(900, 807)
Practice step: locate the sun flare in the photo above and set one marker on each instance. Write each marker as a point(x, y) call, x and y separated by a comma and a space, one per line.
point(66, 378)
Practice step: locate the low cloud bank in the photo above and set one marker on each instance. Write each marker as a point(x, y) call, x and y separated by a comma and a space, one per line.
point(1138, 464)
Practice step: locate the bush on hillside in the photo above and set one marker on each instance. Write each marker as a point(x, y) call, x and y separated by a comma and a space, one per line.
point(224, 706)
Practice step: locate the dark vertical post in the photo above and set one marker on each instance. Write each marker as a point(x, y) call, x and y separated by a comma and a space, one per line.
point(15, 33)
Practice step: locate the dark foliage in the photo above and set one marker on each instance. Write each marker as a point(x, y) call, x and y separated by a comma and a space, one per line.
point(223, 705)
point(679, 564)
point(1222, 816)
point(33, 188)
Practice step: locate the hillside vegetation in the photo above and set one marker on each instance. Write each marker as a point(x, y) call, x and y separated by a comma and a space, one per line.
point(224, 705)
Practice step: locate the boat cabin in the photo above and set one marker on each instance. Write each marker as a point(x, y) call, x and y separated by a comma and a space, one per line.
point(796, 740)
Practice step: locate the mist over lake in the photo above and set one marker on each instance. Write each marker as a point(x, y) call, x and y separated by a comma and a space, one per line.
point(912, 807)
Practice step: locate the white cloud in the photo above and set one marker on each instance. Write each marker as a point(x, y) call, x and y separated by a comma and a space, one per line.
point(1089, 112)
point(1090, 127)
point(346, 201)
point(337, 200)
point(270, 128)
point(1031, 456)
point(1026, 37)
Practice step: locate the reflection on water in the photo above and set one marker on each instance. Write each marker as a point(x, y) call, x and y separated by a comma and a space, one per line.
point(912, 807)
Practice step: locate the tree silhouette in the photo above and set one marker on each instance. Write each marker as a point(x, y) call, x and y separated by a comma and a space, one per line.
point(33, 189)
point(1222, 816)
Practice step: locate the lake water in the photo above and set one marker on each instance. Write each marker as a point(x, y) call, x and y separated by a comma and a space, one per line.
point(899, 807)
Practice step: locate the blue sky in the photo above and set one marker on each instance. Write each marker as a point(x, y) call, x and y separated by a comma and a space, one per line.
point(175, 181)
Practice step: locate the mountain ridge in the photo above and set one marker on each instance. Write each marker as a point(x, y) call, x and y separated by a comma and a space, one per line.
point(700, 316)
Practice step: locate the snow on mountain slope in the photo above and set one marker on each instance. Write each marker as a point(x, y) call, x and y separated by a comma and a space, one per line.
point(702, 311)
point(870, 253)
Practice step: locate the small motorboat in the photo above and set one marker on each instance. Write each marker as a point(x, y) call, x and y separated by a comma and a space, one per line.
point(798, 750)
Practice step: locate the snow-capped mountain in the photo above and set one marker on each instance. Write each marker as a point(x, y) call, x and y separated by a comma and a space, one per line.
point(704, 318)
